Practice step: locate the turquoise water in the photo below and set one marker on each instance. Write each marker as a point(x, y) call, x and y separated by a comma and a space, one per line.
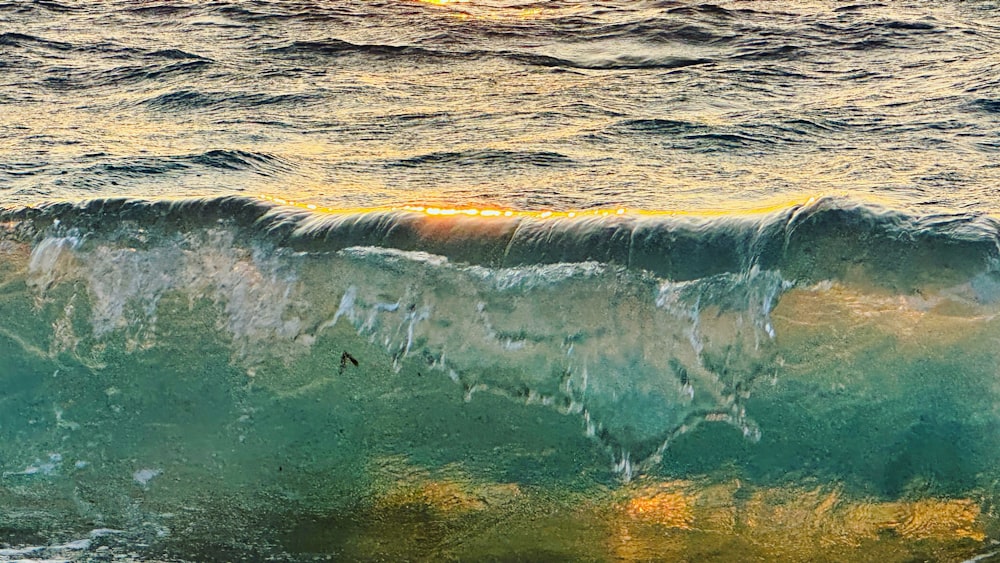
point(235, 380)
point(494, 281)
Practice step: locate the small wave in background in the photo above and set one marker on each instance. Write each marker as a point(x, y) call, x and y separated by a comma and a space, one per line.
point(548, 105)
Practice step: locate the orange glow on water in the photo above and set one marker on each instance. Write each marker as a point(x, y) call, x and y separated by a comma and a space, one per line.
point(666, 504)
point(494, 13)
point(436, 211)
point(441, 211)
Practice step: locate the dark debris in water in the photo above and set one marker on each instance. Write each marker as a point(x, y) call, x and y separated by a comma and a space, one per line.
point(345, 358)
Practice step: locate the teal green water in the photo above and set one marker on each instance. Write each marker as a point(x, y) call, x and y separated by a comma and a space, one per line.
point(208, 395)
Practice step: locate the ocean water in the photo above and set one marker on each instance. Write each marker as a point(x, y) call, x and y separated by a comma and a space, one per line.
point(491, 280)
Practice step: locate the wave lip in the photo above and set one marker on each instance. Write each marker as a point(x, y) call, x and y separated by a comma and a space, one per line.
point(827, 238)
point(824, 239)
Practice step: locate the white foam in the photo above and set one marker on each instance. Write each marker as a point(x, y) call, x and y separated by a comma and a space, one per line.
point(126, 285)
point(18, 553)
point(144, 476)
point(39, 468)
point(15, 552)
point(45, 256)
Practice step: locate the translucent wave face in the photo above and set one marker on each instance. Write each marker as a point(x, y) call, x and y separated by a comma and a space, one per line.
point(166, 354)
point(629, 355)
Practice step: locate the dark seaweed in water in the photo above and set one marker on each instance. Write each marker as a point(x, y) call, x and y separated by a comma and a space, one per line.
point(347, 357)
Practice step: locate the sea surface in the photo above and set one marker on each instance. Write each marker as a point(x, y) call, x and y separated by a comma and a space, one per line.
point(497, 280)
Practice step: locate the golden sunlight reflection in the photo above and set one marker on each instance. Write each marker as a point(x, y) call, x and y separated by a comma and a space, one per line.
point(448, 492)
point(666, 520)
point(435, 211)
point(497, 13)
point(946, 317)
point(666, 504)
point(783, 522)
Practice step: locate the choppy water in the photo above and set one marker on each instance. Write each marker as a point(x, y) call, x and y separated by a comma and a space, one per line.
point(529, 105)
point(632, 281)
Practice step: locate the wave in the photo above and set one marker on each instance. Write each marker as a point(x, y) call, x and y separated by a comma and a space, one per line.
point(84, 79)
point(336, 47)
point(987, 105)
point(562, 309)
point(174, 54)
point(156, 10)
point(827, 238)
point(489, 157)
point(698, 137)
point(14, 39)
point(186, 99)
point(55, 6)
point(111, 49)
point(223, 159)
